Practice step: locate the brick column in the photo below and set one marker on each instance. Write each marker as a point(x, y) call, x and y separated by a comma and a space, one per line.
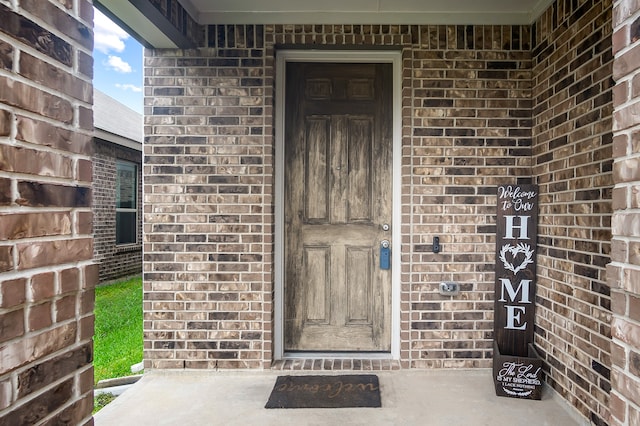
point(624, 271)
point(46, 246)
point(207, 195)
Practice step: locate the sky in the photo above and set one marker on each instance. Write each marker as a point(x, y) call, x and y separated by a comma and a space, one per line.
point(117, 63)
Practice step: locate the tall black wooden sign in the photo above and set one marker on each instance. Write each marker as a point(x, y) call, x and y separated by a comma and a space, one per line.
point(516, 367)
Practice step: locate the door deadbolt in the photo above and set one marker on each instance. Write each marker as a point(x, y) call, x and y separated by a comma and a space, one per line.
point(385, 227)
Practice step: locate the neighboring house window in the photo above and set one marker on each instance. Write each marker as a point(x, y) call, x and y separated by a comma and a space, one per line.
point(126, 202)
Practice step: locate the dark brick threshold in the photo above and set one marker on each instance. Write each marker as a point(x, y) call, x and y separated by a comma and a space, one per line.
point(333, 364)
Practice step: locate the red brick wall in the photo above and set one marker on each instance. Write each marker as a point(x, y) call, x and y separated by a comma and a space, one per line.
point(115, 261)
point(46, 244)
point(208, 220)
point(572, 145)
point(209, 186)
point(470, 130)
point(482, 105)
point(623, 274)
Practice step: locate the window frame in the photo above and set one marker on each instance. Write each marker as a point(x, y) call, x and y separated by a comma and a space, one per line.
point(124, 164)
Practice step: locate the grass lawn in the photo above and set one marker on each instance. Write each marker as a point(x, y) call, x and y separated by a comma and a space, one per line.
point(100, 401)
point(118, 335)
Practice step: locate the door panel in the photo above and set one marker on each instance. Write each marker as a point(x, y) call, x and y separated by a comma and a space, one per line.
point(317, 173)
point(359, 263)
point(337, 195)
point(359, 184)
point(317, 267)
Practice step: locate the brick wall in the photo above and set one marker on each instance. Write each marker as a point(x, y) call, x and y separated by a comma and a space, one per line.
point(470, 130)
point(572, 151)
point(180, 19)
point(482, 106)
point(208, 219)
point(46, 273)
point(209, 173)
point(623, 274)
point(115, 261)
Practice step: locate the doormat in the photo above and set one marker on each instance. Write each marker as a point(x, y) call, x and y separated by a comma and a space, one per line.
point(325, 392)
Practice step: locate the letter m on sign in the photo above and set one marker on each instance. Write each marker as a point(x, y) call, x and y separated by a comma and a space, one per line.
point(523, 289)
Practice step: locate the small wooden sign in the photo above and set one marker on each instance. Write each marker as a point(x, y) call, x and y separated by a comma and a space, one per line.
point(516, 249)
point(518, 377)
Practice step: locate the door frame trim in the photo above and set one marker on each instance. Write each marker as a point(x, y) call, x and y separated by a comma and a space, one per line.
point(336, 56)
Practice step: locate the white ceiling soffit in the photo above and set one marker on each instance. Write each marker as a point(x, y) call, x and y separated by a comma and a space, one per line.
point(135, 22)
point(486, 12)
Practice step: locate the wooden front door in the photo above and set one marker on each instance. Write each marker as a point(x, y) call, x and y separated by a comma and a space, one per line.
point(338, 182)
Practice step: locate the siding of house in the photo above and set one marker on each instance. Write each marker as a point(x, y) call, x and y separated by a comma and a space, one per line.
point(46, 245)
point(572, 162)
point(115, 261)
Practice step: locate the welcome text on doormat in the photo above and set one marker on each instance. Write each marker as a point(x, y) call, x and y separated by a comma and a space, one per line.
point(325, 392)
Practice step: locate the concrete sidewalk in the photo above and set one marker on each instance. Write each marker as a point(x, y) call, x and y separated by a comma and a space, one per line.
point(409, 397)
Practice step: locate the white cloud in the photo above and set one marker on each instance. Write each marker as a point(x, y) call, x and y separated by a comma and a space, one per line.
point(107, 36)
point(131, 87)
point(117, 64)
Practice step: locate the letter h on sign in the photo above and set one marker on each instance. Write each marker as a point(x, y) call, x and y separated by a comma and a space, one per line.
point(523, 227)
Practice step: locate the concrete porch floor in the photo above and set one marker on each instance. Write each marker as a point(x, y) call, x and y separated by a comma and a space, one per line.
point(409, 397)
